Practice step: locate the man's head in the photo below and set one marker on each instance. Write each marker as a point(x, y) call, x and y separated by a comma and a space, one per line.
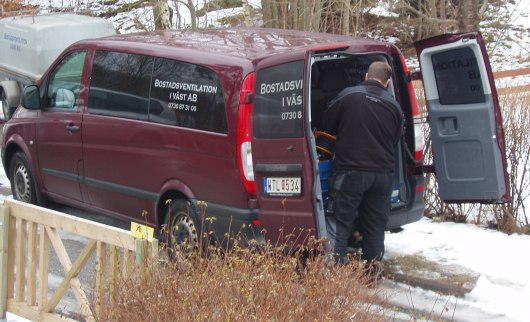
point(380, 71)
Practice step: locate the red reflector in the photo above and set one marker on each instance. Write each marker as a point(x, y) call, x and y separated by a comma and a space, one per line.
point(419, 155)
point(419, 188)
point(256, 222)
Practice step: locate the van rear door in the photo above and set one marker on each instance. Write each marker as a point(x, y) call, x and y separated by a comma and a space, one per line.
point(466, 125)
point(284, 163)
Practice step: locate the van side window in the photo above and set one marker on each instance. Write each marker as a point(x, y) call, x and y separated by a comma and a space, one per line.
point(120, 85)
point(278, 101)
point(187, 95)
point(65, 82)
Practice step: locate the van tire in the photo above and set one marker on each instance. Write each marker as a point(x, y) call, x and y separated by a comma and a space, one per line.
point(22, 180)
point(182, 233)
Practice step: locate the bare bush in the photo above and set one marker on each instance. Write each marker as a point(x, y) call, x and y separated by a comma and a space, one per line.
point(244, 285)
point(516, 122)
point(10, 8)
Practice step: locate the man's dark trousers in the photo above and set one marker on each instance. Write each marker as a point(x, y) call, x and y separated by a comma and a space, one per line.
point(368, 193)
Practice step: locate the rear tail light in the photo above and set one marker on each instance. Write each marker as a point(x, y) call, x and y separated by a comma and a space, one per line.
point(244, 135)
point(419, 141)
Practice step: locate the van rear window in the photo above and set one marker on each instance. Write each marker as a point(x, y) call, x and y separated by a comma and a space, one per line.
point(277, 111)
point(457, 77)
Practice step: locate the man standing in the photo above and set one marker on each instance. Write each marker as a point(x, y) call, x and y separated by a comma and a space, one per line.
point(367, 121)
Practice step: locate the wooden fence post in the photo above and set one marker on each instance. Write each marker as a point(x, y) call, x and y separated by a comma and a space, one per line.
point(4, 240)
point(146, 250)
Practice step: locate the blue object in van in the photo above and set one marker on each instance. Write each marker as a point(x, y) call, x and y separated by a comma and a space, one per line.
point(395, 192)
point(325, 167)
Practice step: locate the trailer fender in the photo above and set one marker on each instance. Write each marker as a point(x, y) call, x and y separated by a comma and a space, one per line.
point(10, 91)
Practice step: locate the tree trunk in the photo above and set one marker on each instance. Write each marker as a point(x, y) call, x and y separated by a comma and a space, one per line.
point(161, 15)
point(468, 15)
point(270, 13)
point(316, 16)
point(294, 14)
point(346, 17)
point(193, 14)
point(246, 13)
point(266, 12)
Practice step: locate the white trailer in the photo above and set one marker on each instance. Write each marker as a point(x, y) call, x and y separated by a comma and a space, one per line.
point(30, 44)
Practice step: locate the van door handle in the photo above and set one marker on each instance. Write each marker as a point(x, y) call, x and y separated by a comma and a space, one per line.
point(448, 125)
point(72, 128)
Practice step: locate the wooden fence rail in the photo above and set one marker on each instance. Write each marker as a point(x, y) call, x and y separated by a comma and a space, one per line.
point(512, 73)
point(26, 233)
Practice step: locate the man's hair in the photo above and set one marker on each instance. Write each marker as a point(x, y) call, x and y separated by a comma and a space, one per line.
point(379, 70)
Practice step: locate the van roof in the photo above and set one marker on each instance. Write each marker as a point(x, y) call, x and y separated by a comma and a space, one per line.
point(243, 43)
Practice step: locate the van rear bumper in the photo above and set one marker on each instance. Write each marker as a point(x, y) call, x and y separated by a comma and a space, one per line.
point(227, 223)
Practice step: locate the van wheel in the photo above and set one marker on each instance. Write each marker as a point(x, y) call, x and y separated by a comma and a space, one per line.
point(182, 230)
point(22, 179)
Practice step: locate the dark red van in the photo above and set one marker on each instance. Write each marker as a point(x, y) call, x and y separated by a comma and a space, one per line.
point(217, 130)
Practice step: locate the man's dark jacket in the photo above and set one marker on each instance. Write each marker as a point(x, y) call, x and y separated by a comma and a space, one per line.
point(368, 122)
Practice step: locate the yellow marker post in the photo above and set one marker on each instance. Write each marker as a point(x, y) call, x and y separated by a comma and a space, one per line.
point(142, 231)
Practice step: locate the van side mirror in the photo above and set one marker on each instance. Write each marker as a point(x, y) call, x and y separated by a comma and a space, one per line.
point(31, 97)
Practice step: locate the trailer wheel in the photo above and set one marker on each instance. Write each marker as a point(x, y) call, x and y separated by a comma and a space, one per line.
point(5, 106)
point(10, 97)
point(22, 180)
point(6, 109)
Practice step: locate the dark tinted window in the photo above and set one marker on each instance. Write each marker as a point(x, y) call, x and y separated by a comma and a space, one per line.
point(187, 95)
point(277, 109)
point(458, 77)
point(120, 85)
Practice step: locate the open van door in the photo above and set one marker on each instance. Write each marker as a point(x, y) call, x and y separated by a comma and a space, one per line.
point(465, 120)
point(291, 206)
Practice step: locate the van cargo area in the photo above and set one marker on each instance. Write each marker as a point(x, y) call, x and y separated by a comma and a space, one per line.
point(329, 75)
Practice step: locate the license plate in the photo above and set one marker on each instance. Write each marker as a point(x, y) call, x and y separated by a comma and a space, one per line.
point(284, 186)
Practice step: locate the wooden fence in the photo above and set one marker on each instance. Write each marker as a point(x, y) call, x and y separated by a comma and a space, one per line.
point(26, 232)
point(512, 73)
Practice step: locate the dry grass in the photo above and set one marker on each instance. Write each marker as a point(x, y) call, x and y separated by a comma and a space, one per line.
point(244, 285)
